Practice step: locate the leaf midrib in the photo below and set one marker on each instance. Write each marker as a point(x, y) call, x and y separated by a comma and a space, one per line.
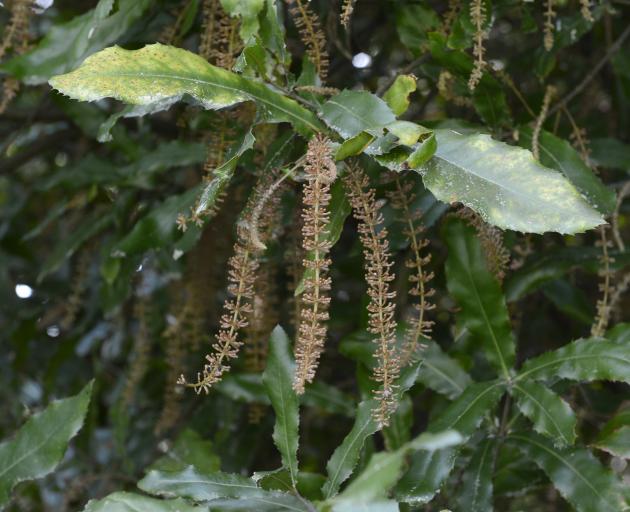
point(524, 374)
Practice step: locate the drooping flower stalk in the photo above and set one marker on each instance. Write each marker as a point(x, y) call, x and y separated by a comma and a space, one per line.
point(311, 34)
point(379, 277)
point(478, 17)
point(401, 199)
point(321, 172)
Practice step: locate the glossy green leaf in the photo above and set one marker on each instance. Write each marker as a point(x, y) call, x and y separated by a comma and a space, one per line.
point(407, 132)
point(157, 76)
point(413, 22)
point(423, 152)
point(614, 438)
point(190, 483)
point(278, 380)
point(339, 211)
point(578, 476)
point(375, 481)
point(476, 493)
point(582, 360)
point(505, 185)
point(397, 96)
point(269, 502)
point(39, 445)
point(549, 413)
point(352, 112)
point(353, 506)
point(478, 293)
point(558, 154)
point(66, 45)
point(354, 146)
point(132, 502)
point(441, 373)
point(190, 449)
point(428, 470)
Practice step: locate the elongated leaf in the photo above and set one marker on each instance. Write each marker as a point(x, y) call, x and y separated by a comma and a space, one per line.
point(578, 476)
point(583, 360)
point(345, 457)
point(476, 290)
point(441, 373)
point(67, 45)
point(190, 483)
point(353, 506)
point(352, 112)
point(615, 436)
point(398, 432)
point(610, 153)
point(558, 154)
point(376, 479)
point(278, 380)
point(157, 76)
point(476, 494)
point(550, 415)
point(132, 502)
point(248, 11)
point(309, 485)
point(428, 470)
point(397, 96)
point(39, 445)
point(505, 185)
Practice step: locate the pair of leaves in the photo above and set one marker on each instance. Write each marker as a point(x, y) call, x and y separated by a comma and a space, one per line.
point(39, 445)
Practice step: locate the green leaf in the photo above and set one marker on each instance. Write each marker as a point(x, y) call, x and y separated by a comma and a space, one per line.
point(375, 481)
point(190, 449)
point(66, 45)
point(478, 293)
point(423, 152)
point(558, 154)
point(616, 443)
point(353, 506)
point(41, 442)
point(278, 380)
point(269, 502)
point(339, 211)
point(428, 470)
point(476, 493)
point(578, 476)
point(441, 373)
point(549, 413)
point(407, 132)
point(308, 485)
point(354, 146)
point(351, 112)
point(190, 483)
point(397, 96)
point(505, 185)
point(157, 76)
point(248, 10)
point(131, 502)
point(583, 360)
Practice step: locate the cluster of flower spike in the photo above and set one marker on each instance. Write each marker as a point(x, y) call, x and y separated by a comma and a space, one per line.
point(478, 17)
point(346, 12)
point(311, 34)
point(242, 267)
point(401, 199)
point(320, 172)
point(379, 277)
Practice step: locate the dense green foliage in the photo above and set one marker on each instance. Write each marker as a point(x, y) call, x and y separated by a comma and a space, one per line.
point(411, 214)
